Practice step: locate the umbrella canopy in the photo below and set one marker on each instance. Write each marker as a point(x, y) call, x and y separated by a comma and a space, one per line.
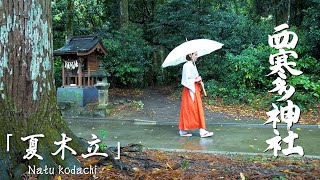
point(202, 46)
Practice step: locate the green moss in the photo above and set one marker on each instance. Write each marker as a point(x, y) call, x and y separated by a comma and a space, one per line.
point(19, 170)
point(3, 62)
point(4, 39)
point(5, 165)
point(41, 46)
point(34, 91)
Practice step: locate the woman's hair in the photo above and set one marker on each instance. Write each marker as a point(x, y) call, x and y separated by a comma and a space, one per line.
point(188, 57)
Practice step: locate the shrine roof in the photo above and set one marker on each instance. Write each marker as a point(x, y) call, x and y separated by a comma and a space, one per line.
point(81, 46)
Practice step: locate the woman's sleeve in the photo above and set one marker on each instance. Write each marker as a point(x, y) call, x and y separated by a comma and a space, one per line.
point(188, 78)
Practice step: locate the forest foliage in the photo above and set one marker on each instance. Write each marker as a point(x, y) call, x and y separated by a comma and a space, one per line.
point(236, 73)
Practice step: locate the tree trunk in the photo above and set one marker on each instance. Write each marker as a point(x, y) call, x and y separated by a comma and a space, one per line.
point(289, 13)
point(69, 24)
point(124, 12)
point(275, 11)
point(27, 91)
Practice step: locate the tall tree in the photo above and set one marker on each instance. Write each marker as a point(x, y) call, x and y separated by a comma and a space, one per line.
point(124, 12)
point(27, 92)
point(70, 15)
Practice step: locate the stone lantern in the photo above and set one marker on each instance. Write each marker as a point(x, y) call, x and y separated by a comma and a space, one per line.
point(102, 85)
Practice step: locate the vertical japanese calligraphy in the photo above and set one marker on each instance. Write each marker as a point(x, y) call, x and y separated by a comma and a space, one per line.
point(283, 41)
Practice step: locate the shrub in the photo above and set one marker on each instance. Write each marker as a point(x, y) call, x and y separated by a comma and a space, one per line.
point(128, 56)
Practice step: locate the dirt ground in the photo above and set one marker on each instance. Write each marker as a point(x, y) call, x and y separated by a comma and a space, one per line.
point(163, 103)
point(160, 104)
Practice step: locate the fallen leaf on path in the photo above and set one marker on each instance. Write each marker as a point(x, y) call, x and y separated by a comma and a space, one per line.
point(242, 176)
point(136, 169)
point(168, 165)
point(95, 177)
point(106, 167)
point(156, 170)
point(91, 162)
point(288, 171)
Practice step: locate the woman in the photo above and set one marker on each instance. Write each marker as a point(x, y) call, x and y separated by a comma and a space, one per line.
point(191, 113)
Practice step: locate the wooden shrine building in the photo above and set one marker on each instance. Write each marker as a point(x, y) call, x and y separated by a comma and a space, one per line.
point(80, 70)
point(80, 60)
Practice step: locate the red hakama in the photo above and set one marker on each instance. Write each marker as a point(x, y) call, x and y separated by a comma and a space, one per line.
point(191, 112)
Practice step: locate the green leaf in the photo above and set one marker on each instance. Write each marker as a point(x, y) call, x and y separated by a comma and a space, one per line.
point(103, 133)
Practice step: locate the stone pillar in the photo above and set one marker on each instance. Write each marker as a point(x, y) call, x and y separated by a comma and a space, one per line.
point(103, 89)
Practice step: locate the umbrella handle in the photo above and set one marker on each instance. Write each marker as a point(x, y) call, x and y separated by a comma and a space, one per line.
point(203, 89)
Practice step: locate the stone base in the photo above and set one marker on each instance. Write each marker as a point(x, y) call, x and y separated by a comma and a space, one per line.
point(79, 96)
point(90, 110)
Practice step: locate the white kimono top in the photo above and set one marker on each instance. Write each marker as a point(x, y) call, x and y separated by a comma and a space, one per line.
point(189, 75)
